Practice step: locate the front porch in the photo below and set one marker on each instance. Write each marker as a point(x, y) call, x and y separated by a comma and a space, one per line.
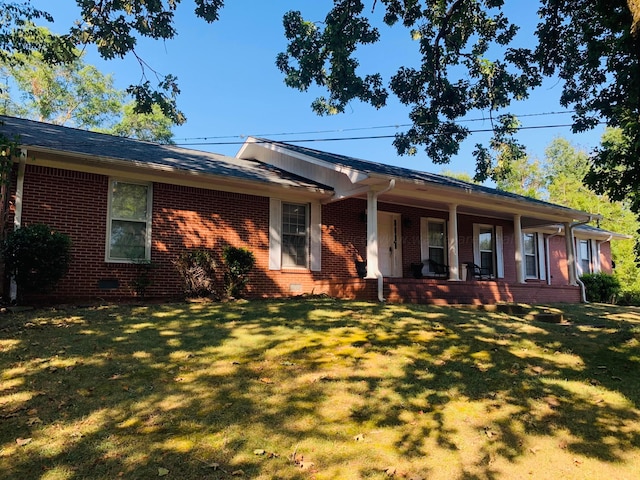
point(447, 292)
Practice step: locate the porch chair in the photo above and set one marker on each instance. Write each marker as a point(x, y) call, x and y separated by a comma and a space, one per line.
point(475, 271)
point(438, 269)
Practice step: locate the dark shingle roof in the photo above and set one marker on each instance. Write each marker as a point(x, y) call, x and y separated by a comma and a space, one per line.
point(57, 138)
point(405, 174)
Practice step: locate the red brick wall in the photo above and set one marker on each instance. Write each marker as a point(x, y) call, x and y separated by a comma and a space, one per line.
point(605, 258)
point(558, 261)
point(185, 217)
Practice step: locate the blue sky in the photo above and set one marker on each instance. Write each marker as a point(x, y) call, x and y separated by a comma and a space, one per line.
point(232, 88)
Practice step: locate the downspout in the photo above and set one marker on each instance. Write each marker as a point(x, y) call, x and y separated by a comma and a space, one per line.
point(17, 216)
point(583, 290)
point(378, 273)
point(548, 249)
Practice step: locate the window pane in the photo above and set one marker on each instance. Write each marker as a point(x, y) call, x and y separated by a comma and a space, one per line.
point(485, 240)
point(294, 251)
point(294, 235)
point(529, 244)
point(531, 266)
point(436, 234)
point(128, 240)
point(129, 201)
point(486, 261)
point(437, 255)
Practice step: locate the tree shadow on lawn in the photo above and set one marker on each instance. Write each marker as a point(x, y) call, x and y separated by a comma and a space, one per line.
point(197, 389)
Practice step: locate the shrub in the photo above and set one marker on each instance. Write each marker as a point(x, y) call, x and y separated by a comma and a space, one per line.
point(601, 287)
point(37, 257)
point(238, 262)
point(629, 297)
point(197, 269)
point(142, 279)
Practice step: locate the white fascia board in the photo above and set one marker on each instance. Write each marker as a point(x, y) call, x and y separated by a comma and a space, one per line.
point(355, 176)
point(164, 174)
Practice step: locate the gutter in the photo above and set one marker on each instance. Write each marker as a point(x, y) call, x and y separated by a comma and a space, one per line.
point(378, 273)
point(583, 291)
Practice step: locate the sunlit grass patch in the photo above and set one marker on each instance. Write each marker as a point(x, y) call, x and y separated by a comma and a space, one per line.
point(319, 388)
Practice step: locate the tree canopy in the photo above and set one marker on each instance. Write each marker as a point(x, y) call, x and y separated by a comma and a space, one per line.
point(471, 59)
point(76, 94)
point(559, 179)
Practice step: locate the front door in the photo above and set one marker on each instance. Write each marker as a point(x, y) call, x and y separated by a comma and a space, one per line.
point(389, 244)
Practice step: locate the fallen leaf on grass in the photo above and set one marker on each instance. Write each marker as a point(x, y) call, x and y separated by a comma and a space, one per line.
point(237, 473)
point(33, 421)
point(306, 465)
point(266, 380)
point(162, 472)
point(23, 441)
point(390, 471)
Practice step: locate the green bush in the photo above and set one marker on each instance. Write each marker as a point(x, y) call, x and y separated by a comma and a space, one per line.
point(197, 269)
point(629, 297)
point(601, 287)
point(37, 257)
point(238, 262)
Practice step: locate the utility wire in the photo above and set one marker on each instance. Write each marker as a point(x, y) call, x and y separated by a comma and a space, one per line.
point(369, 137)
point(354, 129)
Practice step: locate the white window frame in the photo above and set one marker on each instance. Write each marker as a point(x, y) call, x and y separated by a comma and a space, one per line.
point(304, 235)
point(424, 241)
point(590, 253)
point(314, 245)
point(498, 240)
point(533, 254)
point(147, 221)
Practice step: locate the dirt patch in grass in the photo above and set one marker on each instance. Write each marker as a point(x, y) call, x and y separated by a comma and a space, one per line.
point(318, 388)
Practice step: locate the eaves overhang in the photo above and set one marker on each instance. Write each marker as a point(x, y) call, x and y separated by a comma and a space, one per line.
point(258, 183)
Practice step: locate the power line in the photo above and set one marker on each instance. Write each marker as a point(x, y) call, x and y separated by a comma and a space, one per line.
point(368, 137)
point(353, 129)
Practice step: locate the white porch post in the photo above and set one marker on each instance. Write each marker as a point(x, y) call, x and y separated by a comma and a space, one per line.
point(571, 257)
point(454, 273)
point(517, 233)
point(372, 235)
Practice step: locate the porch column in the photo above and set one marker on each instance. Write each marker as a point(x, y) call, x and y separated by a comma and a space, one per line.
point(372, 234)
point(571, 256)
point(454, 273)
point(517, 233)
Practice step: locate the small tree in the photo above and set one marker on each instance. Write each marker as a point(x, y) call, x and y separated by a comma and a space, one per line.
point(37, 257)
point(197, 269)
point(238, 262)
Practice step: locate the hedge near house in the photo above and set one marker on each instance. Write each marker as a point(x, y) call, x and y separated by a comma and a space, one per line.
point(37, 257)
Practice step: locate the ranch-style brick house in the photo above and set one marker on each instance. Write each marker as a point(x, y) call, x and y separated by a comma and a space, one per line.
point(317, 222)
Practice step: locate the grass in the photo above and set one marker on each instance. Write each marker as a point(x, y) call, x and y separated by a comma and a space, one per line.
point(318, 388)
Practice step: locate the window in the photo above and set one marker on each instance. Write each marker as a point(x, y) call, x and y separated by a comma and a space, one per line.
point(584, 256)
point(129, 222)
point(530, 248)
point(295, 235)
point(433, 241)
point(486, 246)
point(436, 242)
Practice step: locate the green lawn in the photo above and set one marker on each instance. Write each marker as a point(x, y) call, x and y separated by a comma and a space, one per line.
point(318, 388)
